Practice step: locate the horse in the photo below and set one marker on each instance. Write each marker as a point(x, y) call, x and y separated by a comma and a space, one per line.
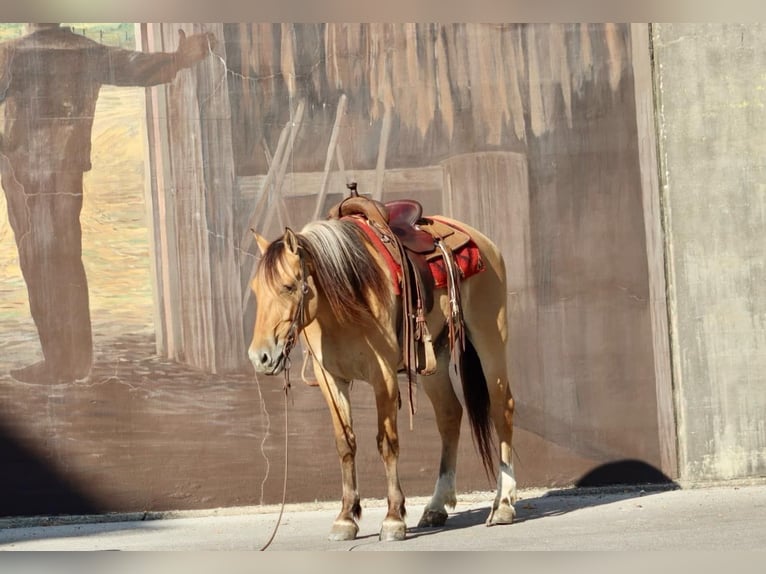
point(330, 285)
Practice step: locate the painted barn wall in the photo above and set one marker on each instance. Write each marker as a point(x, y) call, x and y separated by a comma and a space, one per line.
point(711, 82)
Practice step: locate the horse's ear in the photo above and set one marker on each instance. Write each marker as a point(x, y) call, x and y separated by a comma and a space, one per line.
point(261, 241)
point(291, 241)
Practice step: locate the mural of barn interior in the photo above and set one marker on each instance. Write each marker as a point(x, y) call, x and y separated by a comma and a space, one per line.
point(533, 133)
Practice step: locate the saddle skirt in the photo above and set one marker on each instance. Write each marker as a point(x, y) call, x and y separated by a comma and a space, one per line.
point(464, 250)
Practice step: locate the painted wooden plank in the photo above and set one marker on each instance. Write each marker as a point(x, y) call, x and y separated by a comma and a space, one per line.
point(193, 293)
point(221, 198)
point(162, 207)
point(194, 199)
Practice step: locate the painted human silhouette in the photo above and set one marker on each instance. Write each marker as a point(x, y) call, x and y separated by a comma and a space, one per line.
point(49, 81)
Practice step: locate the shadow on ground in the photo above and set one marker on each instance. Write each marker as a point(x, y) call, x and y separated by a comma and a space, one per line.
point(608, 483)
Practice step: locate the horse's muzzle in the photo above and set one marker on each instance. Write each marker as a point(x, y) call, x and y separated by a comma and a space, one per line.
point(267, 362)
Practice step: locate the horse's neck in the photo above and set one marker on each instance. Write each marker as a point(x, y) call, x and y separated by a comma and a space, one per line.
point(382, 317)
point(325, 332)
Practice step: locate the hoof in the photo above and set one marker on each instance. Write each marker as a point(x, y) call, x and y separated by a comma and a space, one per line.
point(432, 518)
point(392, 530)
point(503, 514)
point(343, 530)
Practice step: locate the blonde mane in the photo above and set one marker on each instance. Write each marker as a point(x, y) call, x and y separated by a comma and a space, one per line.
point(344, 270)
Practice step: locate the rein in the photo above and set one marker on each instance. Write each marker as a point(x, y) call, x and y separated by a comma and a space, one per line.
point(284, 480)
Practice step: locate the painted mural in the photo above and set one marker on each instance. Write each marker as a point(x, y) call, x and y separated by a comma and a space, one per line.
point(125, 251)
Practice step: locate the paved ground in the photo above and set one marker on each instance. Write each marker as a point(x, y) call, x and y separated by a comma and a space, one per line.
point(722, 517)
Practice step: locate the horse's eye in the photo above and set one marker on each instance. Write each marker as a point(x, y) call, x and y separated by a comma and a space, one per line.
point(289, 288)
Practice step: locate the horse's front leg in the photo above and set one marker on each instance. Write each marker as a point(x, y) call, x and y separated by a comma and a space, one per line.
point(387, 401)
point(336, 393)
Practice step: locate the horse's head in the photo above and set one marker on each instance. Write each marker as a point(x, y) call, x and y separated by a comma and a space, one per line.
point(285, 297)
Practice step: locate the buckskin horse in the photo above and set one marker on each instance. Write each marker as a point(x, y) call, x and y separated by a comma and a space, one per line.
point(356, 288)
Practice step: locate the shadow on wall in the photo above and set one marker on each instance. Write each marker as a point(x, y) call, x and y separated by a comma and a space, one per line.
point(625, 472)
point(31, 486)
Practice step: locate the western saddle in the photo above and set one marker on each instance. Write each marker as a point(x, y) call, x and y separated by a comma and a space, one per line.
point(412, 241)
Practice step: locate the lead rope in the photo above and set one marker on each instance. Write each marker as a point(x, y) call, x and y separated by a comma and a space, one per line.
point(284, 482)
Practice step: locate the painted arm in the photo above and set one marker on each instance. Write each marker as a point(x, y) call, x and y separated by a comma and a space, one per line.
point(131, 68)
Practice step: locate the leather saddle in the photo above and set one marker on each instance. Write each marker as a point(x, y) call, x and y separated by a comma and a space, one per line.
point(403, 218)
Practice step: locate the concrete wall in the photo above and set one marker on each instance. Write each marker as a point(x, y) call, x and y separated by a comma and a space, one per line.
point(711, 113)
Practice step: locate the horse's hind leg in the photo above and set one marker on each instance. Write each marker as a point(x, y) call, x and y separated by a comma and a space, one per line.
point(503, 511)
point(387, 399)
point(336, 394)
point(490, 346)
point(448, 412)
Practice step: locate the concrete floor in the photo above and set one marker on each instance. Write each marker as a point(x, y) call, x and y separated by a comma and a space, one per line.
point(719, 517)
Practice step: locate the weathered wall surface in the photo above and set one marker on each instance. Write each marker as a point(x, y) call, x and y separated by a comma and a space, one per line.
point(711, 83)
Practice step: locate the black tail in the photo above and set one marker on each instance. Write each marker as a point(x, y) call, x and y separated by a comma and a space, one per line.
point(477, 404)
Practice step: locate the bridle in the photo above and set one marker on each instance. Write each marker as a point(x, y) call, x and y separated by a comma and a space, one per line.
point(297, 322)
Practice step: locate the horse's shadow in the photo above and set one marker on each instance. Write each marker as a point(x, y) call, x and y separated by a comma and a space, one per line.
point(552, 503)
point(607, 483)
